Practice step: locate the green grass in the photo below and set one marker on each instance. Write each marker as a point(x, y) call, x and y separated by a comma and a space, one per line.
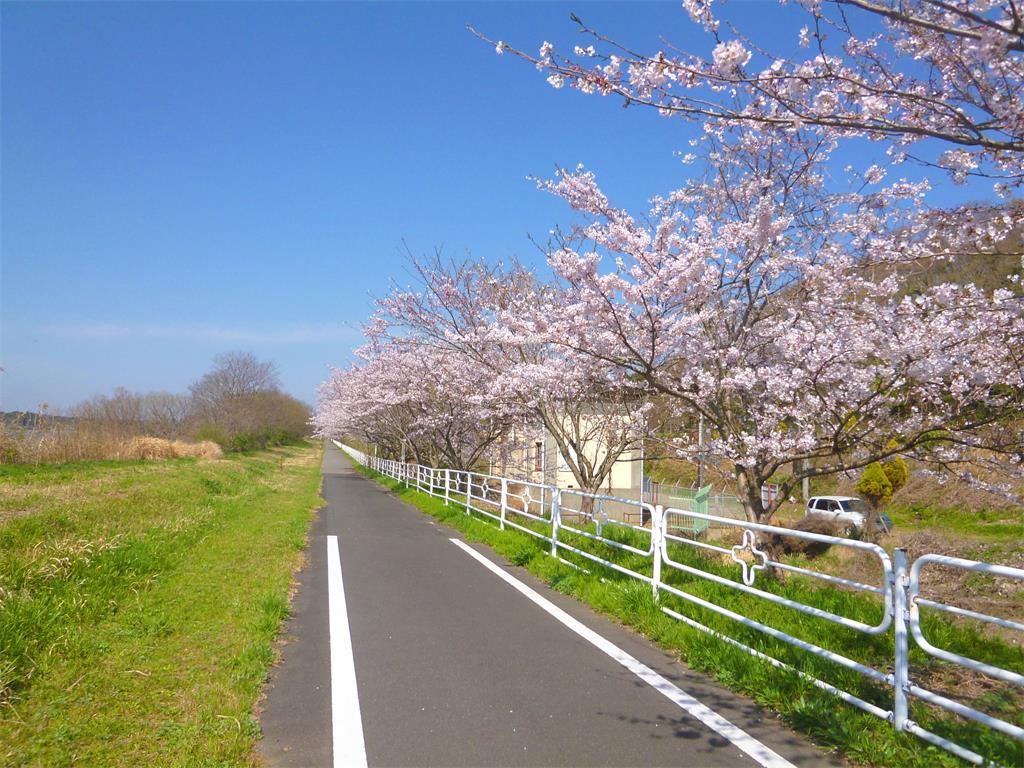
point(989, 526)
point(139, 602)
point(861, 737)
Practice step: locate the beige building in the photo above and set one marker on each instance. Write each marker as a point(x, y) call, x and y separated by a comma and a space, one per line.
point(531, 454)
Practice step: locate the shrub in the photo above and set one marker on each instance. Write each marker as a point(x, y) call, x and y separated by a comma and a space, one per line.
point(211, 433)
point(243, 441)
point(874, 485)
point(897, 472)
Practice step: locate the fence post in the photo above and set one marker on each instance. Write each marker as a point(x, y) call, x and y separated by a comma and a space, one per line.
point(900, 609)
point(469, 490)
point(504, 501)
point(657, 541)
point(447, 485)
point(556, 519)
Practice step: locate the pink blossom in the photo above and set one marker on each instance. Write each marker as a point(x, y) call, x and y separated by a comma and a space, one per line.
point(729, 57)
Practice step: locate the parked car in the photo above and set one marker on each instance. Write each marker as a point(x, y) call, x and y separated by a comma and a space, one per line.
point(848, 511)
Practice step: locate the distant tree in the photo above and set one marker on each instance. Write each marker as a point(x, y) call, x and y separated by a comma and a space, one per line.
point(239, 404)
point(158, 414)
point(411, 395)
point(282, 418)
point(234, 375)
point(121, 411)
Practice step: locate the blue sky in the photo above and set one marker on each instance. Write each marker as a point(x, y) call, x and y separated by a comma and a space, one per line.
point(184, 179)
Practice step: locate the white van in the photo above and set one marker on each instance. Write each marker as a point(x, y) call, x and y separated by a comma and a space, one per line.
point(845, 510)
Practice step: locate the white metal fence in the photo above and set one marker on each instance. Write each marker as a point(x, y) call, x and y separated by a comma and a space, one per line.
point(654, 540)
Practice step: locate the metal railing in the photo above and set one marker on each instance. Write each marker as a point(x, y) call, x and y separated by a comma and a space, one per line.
point(575, 523)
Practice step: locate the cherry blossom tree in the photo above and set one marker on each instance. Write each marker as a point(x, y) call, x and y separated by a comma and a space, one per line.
point(405, 394)
point(349, 405)
point(772, 294)
point(777, 310)
point(800, 308)
point(469, 311)
point(941, 80)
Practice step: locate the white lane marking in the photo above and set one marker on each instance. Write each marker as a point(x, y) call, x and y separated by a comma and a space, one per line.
point(738, 737)
point(346, 720)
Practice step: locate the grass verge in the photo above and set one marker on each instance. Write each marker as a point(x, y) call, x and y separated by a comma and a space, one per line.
point(139, 603)
point(860, 737)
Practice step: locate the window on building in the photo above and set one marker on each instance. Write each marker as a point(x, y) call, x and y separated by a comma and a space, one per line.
point(538, 456)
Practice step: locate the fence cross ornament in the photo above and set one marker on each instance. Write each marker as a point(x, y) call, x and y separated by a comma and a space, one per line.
point(749, 544)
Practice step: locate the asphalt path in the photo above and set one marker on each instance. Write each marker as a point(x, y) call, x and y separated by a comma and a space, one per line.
point(463, 660)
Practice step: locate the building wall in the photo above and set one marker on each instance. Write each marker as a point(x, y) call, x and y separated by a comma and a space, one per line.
point(523, 460)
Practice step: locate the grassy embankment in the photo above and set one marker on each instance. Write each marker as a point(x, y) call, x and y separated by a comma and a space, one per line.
point(861, 737)
point(139, 602)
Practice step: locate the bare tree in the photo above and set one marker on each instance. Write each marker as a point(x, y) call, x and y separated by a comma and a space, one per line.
point(164, 414)
point(159, 414)
point(120, 411)
point(239, 404)
point(234, 375)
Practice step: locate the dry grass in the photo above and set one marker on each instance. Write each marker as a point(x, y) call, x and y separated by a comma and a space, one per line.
point(61, 442)
point(57, 442)
point(159, 448)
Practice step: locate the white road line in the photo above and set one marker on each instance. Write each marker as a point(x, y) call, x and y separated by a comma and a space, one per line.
point(347, 723)
point(738, 737)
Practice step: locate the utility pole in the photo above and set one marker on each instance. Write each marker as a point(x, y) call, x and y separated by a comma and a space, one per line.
point(700, 451)
point(641, 471)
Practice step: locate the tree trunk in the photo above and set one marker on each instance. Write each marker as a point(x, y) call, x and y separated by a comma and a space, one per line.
point(587, 502)
point(872, 528)
point(750, 495)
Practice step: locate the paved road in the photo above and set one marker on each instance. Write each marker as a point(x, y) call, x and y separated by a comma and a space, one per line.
point(456, 667)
